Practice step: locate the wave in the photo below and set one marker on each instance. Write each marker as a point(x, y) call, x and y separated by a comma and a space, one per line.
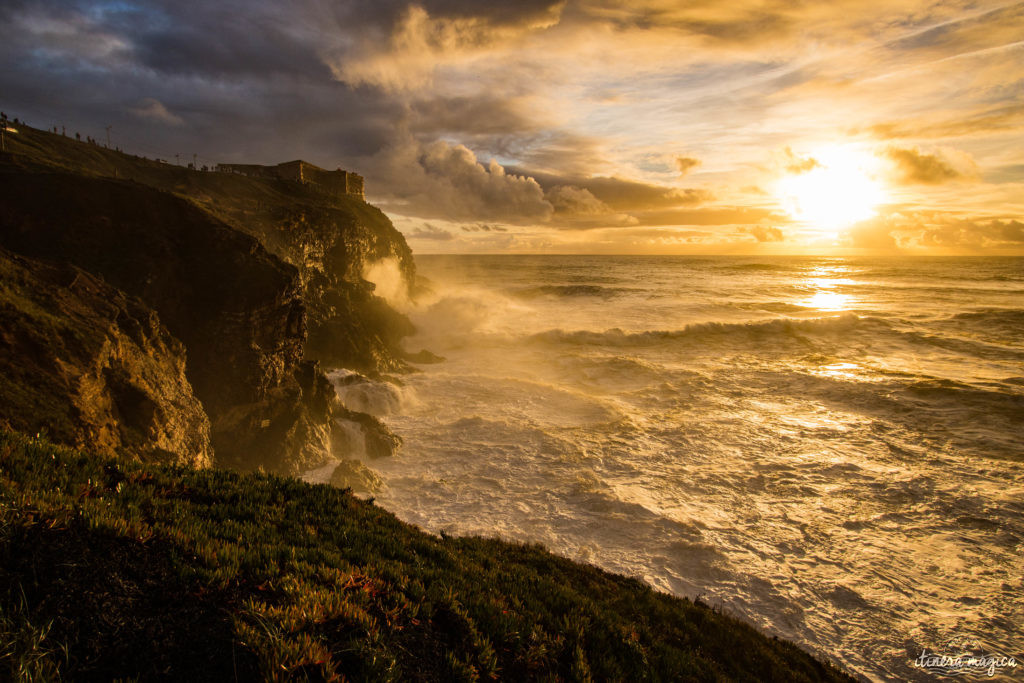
point(772, 307)
point(570, 291)
point(756, 267)
point(1007, 319)
point(378, 398)
point(992, 400)
point(714, 331)
point(847, 328)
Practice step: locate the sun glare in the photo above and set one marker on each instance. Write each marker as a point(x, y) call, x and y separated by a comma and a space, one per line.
point(838, 190)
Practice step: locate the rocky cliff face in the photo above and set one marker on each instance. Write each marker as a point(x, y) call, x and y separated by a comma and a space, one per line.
point(236, 307)
point(90, 366)
point(330, 240)
point(253, 275)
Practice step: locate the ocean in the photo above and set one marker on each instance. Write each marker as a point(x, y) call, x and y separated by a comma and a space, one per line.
point(828, 448)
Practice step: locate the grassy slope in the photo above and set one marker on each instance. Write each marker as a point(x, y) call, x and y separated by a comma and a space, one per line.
point(109, 569)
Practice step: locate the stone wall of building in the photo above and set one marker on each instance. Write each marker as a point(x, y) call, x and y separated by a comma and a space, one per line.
point(337, 182)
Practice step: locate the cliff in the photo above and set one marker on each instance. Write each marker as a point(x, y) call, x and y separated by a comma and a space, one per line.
point(87, 365)
point(329, 238)
point(236, 307)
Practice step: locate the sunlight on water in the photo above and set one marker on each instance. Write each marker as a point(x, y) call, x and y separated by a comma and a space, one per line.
point(824, 300)
point(842, 371)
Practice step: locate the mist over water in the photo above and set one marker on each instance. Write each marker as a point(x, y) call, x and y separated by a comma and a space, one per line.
point(829, 448)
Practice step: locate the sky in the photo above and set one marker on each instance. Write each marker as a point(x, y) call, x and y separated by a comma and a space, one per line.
point(577, 126)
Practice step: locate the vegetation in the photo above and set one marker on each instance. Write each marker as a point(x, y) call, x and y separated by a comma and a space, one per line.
point(111, 569)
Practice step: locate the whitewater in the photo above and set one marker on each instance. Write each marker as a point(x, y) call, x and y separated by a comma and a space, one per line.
point(828, 448)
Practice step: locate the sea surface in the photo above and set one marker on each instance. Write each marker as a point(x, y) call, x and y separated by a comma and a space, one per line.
point(829, 448)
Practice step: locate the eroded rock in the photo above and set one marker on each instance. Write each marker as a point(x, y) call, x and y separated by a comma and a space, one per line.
point(93, 367)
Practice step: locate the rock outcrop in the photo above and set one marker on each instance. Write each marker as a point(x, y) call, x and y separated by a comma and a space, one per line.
point(90, 366)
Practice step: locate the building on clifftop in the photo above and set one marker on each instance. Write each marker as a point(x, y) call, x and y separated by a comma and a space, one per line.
point(337, 182)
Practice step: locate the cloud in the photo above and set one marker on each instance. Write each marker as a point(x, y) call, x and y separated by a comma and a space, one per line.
point(764, 233)
point(914, 166)
point(796, 164)
point(686, 164)
point(484, 114)
point(984, 121)
point(575, 200)
point(152, 109)
point(621, 194)
point(972, 233)
point(483, 227)
point(723, 215)
point(737, 22)
point(430, 232)
point(929, 230)
point(875, 234)
point(558, 152)
point(423, 37)
point(578, 208)
point(442, 180)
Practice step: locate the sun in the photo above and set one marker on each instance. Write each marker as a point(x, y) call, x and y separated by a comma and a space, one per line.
point(838, 189)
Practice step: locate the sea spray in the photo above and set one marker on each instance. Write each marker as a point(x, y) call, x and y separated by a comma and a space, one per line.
point(389, 282)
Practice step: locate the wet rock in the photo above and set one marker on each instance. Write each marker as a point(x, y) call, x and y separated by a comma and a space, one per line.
point(352, 474)
point(363, 436)
point(423, 357)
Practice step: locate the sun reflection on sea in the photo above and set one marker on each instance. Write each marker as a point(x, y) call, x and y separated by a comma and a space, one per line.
point(824, 300)
point(823, 280)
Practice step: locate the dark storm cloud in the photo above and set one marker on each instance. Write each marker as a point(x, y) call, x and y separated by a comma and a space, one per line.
point(386, 14)
point(239, 81)
point(207, 39)
point(483, 115)
point(227, 41)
